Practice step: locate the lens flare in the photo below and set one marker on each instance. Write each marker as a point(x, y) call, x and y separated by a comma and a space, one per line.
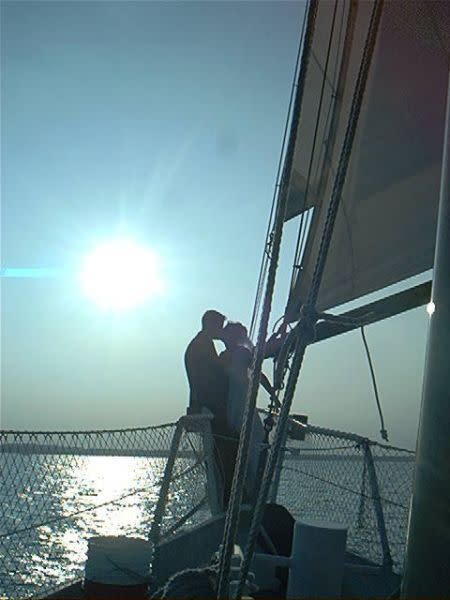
point(120, 275)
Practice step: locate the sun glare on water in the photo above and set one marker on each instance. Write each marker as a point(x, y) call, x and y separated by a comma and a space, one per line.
point(120, 274)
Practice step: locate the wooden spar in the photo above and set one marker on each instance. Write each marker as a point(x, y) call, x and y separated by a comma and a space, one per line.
point(376, 311)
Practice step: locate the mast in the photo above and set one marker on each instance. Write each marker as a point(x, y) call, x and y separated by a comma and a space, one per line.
point(427, 563)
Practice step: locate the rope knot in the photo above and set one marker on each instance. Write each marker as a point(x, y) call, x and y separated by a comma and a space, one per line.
point(269, 423)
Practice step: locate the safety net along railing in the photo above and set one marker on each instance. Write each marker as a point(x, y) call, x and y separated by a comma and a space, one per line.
point(58, 489)
point(342, 477)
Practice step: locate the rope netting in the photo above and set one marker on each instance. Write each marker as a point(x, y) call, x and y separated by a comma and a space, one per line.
point(395, 471)
point(58, 489)
point(327, 476)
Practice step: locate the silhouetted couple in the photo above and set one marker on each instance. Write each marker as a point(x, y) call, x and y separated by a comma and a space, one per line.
point(219, 383)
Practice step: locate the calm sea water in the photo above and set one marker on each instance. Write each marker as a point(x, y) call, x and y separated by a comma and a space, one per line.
point(98, 495)
point(40, 551)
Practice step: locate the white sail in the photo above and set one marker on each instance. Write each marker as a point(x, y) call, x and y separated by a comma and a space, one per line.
point(385, 228)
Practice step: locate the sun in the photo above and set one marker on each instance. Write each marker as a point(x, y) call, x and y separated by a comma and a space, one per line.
point(120, 274)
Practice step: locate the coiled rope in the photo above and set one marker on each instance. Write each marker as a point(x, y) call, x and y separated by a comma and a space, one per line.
point(190, 583)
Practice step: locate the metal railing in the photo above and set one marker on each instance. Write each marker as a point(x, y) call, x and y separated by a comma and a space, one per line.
point(198, 425)
point(58, 489)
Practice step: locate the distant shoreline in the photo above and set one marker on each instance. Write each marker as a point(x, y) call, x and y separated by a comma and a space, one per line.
point(49, 450)
point(41, 449)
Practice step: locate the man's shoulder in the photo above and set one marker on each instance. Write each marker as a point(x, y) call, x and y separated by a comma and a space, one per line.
point(192, 342)
point(190, 348)
point(200, 343)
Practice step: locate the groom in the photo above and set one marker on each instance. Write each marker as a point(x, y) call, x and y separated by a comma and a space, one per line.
point(204, 370)
point(208, 383)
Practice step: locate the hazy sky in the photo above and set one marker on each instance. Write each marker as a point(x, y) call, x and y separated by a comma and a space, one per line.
point(161, 121)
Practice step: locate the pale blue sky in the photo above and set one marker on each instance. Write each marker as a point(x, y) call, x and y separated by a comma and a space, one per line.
point(163, 121)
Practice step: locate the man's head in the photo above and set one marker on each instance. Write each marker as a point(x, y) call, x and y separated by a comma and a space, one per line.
point(212, 324)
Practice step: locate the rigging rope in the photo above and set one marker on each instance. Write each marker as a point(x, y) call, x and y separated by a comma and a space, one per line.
point(330, 126)
point(305, 327)
point(279, 176)
point(262, 275)
point(232, 517)
point(313, 149)
point(336, 93)
point(383, 430)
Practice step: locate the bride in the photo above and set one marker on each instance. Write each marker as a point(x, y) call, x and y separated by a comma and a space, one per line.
point(236, 360)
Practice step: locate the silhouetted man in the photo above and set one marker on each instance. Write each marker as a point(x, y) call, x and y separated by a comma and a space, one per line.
point(204, 370)
point(209, 389)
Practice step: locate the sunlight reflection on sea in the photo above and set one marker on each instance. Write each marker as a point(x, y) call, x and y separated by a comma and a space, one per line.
point(99, 495)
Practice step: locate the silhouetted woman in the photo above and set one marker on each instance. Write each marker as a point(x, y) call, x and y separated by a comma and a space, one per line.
point(236, 360)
